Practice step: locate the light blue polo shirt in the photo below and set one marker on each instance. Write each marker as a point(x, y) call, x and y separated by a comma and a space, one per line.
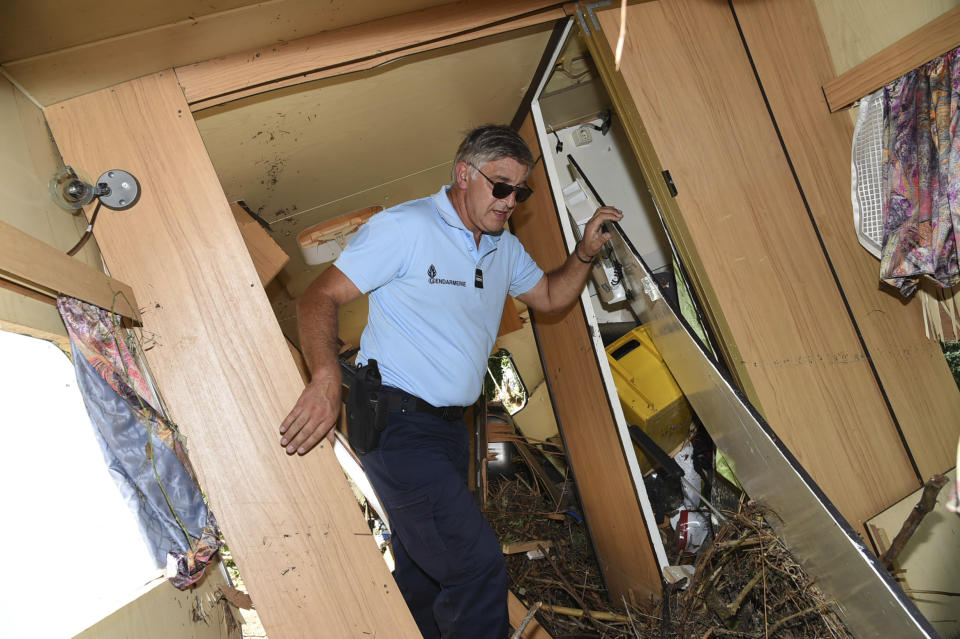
point(430, 328)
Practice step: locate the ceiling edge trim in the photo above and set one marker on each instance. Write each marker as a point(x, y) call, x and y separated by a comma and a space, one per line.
point(363, 46)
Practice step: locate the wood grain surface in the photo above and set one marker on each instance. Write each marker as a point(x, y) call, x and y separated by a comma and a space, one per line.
point(322, 55)
point(685, 67)
point(292, 523)
point(912, 369)
point(926, 43)
point(25, 260)
point(227, 74)
point(606, 488)
point(268, 258)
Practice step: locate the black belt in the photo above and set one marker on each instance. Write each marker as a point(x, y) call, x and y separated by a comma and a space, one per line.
point(399, 401)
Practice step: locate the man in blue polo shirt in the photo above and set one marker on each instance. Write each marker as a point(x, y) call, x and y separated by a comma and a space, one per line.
point(437, 271)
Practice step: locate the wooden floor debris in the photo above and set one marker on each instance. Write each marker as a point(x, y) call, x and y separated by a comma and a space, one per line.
point(744, 584)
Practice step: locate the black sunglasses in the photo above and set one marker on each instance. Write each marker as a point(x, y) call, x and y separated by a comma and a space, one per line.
point(502, 190)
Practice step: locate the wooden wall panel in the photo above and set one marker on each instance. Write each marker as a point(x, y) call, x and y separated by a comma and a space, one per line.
point(858, 29)
point(912, 369)
point(26, 260)
point(590, 436)
point(692, 84)
point(917, 48)
point(357, 48)
point(268, 258)
point(220, 361)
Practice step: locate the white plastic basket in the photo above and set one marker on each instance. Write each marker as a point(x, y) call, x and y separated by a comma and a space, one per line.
point(867, 184)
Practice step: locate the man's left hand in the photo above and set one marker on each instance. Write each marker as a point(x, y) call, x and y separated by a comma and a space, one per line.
point(594, 236)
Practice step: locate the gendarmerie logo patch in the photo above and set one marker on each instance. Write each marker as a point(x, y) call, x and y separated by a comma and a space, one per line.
point(432, 274)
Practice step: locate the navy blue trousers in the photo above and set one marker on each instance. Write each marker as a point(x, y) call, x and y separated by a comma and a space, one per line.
point(449, 563)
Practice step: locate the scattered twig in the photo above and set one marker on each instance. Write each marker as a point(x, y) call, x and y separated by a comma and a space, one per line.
point(598, 615)
point(569, 587)
point(927, 501)
point(518, 633)
point(633, 626)
point(803, 612)
point(744, 554)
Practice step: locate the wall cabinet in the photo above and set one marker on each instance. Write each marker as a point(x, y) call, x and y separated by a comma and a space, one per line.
point(800, 412)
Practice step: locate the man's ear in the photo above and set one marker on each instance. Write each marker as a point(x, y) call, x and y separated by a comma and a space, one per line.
point(462, 171)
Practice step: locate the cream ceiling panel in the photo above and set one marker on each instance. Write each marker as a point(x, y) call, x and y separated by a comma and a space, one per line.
point(306, 154)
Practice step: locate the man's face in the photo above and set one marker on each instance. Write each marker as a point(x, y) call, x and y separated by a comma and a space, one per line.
point(484, 213)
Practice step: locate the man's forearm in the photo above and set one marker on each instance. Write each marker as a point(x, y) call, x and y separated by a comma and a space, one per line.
point(566, 282)
point(318, 408)
point(317, 319)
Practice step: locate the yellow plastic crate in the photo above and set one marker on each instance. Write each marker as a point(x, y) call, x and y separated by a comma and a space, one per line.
point(650, 397)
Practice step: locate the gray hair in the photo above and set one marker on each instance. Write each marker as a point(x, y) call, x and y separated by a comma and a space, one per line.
point(489, 143)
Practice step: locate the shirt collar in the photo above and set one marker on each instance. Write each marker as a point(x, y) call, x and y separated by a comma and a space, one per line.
point(450, 216)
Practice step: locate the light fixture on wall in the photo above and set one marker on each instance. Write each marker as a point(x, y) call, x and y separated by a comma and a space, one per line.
point(116, 189)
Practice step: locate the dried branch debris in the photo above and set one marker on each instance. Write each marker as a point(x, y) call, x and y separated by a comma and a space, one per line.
point(745, 582)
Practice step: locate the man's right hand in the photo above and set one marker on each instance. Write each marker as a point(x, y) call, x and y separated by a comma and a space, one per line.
point(315, 413)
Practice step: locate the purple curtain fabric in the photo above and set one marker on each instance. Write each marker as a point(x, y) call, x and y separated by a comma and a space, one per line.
point(921, 175)
point(141, 448)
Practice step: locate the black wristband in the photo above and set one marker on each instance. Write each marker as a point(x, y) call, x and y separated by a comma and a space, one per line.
point(576, 251)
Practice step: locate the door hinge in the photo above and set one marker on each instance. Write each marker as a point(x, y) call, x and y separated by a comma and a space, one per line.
point(589, 8)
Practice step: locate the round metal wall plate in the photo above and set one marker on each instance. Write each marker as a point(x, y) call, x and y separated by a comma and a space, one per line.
point(124, 189)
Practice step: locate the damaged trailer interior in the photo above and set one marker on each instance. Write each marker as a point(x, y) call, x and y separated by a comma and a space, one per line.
point(735, 260)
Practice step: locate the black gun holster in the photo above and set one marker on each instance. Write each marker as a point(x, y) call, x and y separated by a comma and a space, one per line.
point(366, 406)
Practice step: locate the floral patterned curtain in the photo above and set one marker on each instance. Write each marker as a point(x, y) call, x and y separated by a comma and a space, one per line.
point(921, 175)
point(143, 451)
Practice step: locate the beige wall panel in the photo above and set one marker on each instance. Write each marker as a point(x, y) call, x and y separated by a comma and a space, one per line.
point(931, 582)
point(912, 369)
point(162, 612)
point(537, 419)
point(919, 47)
point(609, 498)
point(28, 159)
point(857, 29)
point(226, 373)
point(691, 81)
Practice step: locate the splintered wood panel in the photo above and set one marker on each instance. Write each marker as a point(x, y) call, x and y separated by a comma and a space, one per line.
point(223, 367)
point(609, 498)
point(912, 369)
point(686, 70)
